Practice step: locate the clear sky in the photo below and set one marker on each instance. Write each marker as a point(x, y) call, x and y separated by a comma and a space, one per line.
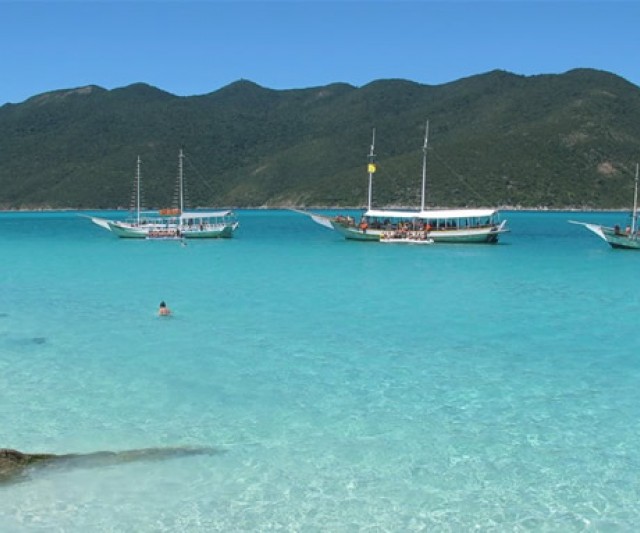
point(188, 48)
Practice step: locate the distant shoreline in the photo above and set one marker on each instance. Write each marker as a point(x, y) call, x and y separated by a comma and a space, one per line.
point(322, 208)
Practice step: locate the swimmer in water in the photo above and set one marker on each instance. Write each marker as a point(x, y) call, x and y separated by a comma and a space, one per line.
point(164, 310)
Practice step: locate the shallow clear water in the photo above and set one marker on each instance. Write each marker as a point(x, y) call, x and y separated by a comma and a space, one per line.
point(345, 386)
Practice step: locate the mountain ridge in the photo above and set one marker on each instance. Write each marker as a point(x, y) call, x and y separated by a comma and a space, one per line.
point(550, 140)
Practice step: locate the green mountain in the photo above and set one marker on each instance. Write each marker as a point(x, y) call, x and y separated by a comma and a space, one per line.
point(495, 139)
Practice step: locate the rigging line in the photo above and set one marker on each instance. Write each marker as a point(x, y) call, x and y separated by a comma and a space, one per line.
point(461, 179)
point(200, 175)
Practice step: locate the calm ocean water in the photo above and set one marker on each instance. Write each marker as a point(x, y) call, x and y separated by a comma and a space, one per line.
point(344, 386)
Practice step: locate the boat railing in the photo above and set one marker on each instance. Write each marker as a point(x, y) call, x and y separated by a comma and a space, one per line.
point(464, 227)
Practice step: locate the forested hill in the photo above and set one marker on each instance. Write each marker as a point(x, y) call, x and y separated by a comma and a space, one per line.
point(495, 139)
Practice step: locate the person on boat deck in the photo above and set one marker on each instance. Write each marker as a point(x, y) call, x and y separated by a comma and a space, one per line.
point(164, 310)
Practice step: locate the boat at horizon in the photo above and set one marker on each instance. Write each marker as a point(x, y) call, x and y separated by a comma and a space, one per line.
point(424, 226)
point(616, 237)
point(171, 223)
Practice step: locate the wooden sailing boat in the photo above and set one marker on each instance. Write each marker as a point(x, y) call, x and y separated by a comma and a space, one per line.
point(423, 226)
point(175, 223)
point(629, 238)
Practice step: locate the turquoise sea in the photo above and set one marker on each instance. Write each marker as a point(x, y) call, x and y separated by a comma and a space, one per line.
point(344, 386)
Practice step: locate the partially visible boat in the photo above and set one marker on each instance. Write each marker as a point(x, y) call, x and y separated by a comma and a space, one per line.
point(416, 226)
point(616, 237)
point(186, 225)
point(174, 223)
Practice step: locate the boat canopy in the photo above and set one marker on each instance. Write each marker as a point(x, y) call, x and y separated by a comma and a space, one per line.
point(206, 214)
point(431, 214)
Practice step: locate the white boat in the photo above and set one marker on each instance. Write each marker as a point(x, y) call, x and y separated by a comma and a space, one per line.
point(173, 223)
point(186, 225)
point(432, 225)
point(628, 238)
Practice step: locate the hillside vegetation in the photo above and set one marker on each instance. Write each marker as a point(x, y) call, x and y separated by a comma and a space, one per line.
point(554, 141)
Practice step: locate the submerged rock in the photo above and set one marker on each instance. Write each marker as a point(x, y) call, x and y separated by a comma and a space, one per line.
point(26, 342)
point(14, 463)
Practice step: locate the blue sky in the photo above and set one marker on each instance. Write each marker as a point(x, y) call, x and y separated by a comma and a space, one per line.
point(190, 48)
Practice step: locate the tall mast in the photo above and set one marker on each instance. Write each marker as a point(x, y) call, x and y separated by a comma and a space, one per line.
point(371, 167)
point(634, 215)
point(424, 166)
point(138, 191)
point(180, 178)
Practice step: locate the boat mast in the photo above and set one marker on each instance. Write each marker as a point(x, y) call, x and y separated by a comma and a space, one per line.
point(180, 178)
point(138, 191)
point(634, 215)
point(424, 166)
point(371, 167)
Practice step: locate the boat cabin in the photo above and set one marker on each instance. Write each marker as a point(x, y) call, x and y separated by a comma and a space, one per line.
point(440, 220)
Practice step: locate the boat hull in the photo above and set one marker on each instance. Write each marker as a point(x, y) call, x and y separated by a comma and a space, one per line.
point(620, 240)
point(222, 232)
point(487, 235)
point(130, 231)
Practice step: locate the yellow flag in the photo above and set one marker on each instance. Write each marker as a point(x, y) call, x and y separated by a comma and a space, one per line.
point(371, 168)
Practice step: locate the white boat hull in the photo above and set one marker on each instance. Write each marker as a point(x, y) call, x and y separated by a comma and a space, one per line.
point(132, 231)
point(471, 235)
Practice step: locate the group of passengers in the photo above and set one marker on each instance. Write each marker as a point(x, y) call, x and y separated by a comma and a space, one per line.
point(423, 225)
point(164, 233)
point(627, 231)
point(400, 226)
point(415, 224)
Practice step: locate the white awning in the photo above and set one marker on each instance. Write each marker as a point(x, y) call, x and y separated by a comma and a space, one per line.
point(432, 214)
point(205, 214)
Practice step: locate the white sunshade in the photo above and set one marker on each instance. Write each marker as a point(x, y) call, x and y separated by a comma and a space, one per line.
point(205, 214)
point(439, 214)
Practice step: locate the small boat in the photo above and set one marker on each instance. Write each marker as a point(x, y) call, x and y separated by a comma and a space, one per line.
point(432, 225)
point(627, 239)
point(173, 223)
